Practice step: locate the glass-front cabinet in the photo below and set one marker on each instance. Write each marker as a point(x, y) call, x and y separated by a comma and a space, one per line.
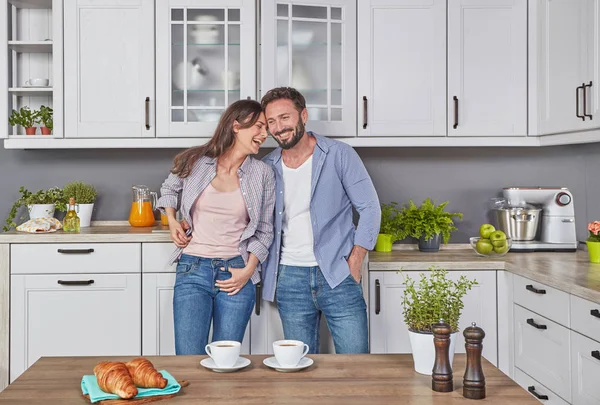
point(311, 46)
point(205, 60)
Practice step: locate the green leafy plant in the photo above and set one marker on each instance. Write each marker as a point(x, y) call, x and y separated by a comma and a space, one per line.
point(53, 195)
point(45, 115)
point(436, 297)
point(82, 192)
point(24, 117)
point(426, 220)
point(390, 220)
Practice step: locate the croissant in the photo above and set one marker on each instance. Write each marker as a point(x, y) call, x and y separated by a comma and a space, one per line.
point(145, 375)
point(114, 377)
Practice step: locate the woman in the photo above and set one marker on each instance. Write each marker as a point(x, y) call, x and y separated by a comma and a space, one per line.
point(227, 199)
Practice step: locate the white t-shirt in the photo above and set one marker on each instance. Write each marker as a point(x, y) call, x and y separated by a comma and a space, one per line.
point(297, 236)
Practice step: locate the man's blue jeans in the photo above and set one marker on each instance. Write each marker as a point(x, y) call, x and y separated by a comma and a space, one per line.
point(303, 294)
point(197, 302)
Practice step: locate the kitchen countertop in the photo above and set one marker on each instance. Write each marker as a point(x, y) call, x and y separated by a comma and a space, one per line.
point(332, 379)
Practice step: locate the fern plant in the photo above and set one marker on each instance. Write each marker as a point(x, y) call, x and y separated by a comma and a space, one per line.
point(426, 220)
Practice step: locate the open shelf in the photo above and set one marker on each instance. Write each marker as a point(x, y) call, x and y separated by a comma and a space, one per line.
point(31, 91)
point(30, 46)
point(31, 3)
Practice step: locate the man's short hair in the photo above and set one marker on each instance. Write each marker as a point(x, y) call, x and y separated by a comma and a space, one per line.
point(284, 93)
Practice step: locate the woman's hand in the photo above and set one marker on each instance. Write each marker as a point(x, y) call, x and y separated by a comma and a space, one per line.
point(178, 232)
point(239, 278)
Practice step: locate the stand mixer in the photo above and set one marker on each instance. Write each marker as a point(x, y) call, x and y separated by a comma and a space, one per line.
point(538, 219)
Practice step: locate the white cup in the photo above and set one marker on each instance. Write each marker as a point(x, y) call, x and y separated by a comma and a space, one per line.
point(225, 353)
point(289, 352)
point(37, 82)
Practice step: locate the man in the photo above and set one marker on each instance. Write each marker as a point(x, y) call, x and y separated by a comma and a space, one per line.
point(314, 263)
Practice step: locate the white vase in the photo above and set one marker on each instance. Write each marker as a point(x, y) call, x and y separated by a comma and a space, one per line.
point(423, 351)
point(41, 210)
point(85, 214)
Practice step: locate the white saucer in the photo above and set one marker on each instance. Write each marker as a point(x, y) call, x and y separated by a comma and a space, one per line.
point(239, 364)
point(27, 86)
point(272, 362)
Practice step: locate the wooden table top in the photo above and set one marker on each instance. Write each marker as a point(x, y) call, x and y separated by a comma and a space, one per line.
point(333, 379)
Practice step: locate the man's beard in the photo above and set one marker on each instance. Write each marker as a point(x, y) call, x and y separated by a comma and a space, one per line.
point(298, 133)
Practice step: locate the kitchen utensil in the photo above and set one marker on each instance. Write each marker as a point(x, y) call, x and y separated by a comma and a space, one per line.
point(519, 223)
point(37, 82)
point(196, 72)
point(142, 206)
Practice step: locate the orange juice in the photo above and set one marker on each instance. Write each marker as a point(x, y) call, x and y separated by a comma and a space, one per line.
point(141, 214)
point(164, 220)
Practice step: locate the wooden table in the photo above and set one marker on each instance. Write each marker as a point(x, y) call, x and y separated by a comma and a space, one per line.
point(333, 379)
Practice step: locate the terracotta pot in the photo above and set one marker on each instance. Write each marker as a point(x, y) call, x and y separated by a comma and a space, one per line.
point(45, 130)
point(30, 130)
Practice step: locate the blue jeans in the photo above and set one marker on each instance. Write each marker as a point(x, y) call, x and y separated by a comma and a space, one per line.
point(197, 302)
point(303, 294)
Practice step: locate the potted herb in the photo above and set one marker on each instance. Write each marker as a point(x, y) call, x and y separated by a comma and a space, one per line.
point(85, 196)
point(389, 228)
point(428, 223)
point(25, 118)
point(45, 115)
point(41, 204)
point(436, 298)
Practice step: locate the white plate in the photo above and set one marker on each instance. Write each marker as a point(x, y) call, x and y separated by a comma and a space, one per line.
point(27, 86)
point(239, 364)
point(272, 362)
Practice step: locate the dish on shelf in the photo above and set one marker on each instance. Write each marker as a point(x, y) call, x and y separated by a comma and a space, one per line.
point(29, 86)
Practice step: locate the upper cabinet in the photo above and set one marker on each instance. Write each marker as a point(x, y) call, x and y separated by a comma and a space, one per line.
point(402, 68)
point(311, 46)
point(487, 68)
point(109, 68)
point(205, 60)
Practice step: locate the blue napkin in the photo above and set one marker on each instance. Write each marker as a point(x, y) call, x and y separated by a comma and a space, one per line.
point(89, 385)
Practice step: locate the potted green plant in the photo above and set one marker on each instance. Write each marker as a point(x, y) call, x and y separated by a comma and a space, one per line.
point(45, 115)
point(389, 229)
point(25, 118)
point(40, 204)
point(437, 297)
point(427, 223)
point(85, 196)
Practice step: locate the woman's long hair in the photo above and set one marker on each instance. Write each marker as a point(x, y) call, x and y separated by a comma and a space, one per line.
point(245, 112)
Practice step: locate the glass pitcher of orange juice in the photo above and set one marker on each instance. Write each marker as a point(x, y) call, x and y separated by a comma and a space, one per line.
point(143, 206)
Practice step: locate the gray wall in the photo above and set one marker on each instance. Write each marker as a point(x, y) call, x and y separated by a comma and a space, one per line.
point(467, 177)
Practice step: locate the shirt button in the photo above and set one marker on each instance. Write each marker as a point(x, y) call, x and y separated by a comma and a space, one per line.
point(279, 212)
point(244, 193)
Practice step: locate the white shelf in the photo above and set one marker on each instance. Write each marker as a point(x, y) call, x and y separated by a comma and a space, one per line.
point(30, 46)
point(31, 3)
point(31, 91)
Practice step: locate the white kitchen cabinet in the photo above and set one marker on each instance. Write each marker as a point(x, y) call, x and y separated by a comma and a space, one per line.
point(585, 369)
point(564, 48)
point(73, 315)
point(205, 61)
point(109, 68)
point(487, 68)
point(311, 45)
point(402, 68)
point(388, 331)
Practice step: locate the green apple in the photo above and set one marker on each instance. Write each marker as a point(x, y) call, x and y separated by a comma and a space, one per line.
point(484, 246)
point(500, 249)
point(498, 238)
point(486, 230)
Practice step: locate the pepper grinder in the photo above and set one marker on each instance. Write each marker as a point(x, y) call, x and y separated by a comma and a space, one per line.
point(442, 370)
point(473, 380)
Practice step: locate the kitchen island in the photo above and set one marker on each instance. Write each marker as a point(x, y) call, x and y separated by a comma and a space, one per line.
point(332, 379)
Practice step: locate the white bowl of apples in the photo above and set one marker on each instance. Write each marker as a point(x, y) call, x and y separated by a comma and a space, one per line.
point(491, 242)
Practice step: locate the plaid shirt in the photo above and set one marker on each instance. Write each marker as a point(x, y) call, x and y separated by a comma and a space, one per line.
point(257, 183)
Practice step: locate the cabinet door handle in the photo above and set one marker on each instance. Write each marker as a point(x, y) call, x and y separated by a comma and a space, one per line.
point(257, 301)
point(596, 354)
point(577, 101)
point(455, 112)
point(595, 312)
point(536, 325)
point(75, 251)
point(147, 107)
point(377, 297)
point(535, 290)
point(585, 100)
point(535, 394)
point(365, 115)
point(75, 282)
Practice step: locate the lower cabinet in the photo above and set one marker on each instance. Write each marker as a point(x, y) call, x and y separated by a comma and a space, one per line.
point(389, 333)
point(73, 315)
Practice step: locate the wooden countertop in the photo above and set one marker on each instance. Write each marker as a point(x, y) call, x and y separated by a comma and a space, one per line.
point(332, 379)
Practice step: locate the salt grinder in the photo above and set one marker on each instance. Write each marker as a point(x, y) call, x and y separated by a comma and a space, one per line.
point(473, 380)
point(442, 370)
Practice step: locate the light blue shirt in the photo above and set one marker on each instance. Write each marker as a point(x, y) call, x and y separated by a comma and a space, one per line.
point(339, 182)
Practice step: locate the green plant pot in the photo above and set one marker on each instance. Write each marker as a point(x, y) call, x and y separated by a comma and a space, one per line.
point(594, 251)
point(384, 243)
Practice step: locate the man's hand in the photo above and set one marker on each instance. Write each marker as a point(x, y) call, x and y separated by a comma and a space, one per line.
point(355, 261)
